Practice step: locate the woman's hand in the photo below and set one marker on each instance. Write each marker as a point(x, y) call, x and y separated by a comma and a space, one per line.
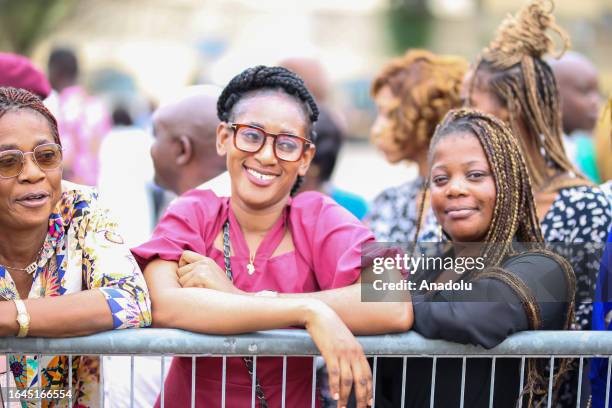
point(346, 363)
point(198, 271)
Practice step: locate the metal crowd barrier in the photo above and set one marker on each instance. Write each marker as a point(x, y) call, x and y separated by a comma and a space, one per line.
point(284, 343)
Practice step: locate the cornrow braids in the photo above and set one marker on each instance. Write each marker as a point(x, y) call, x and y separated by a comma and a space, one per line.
point(524, 83)
point(262, 77)
point(427, 86)
point(271, 78)
point(17, 98)
point(514, 220)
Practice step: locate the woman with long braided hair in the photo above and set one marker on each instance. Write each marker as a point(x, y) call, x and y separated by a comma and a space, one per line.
point(513, 81)
point(300, 256)
point(481, 195)
point(64, 268)
point(412, 94)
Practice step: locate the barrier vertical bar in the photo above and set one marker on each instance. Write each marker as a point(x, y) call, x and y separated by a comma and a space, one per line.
point(608, 383)
point(284, 390)
point(521, 382)
point(462, 383)
point(163, 385)
point(433, 382)
point(580, 369)
point(551, 375)
point(492, 388)
point(223, 374)
point(193, 381)
point(131, 381)
point(253, 380)
point(313, 397)
point(374, 382)
point(404, 363)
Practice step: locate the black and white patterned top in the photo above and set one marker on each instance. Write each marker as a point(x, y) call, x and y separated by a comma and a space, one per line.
point(580, 217)
point(393, 215)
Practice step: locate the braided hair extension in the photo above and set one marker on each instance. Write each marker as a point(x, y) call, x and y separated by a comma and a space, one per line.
point(514, 220)
point(17, 98)
point(523, 82)
point(427, 86)
point(268, 78)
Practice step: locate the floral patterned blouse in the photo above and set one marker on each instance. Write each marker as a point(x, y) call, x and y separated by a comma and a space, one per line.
point(82, 250)
point(393, 215)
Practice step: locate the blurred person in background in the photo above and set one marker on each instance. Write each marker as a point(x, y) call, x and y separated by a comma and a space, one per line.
point(18, 71)
point(184, 151)
point(83, 120)
point(66, 270)
point(603, 142)
point(580, 99)
point(602, 307)
point(412, 94)
point(513, 81)
point(125, 175)
point(329, 142)
point(184, 156)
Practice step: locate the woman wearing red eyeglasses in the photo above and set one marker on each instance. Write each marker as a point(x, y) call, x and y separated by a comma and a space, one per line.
point(64, 270)
point(210, 257)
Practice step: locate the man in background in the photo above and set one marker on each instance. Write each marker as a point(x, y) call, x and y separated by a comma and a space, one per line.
point(184, 153)
point(580, 97)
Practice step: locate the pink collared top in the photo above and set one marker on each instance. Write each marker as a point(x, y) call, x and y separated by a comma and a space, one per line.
point(327, 242)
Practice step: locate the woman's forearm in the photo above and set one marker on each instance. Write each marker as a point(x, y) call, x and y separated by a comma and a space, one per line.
point(213, 312)
point(76, 314)
point(363, 318)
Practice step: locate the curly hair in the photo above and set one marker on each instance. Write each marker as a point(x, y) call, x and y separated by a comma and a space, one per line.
point(517, 75)
point(427, 86)
point(17, 98)
point(268, 78)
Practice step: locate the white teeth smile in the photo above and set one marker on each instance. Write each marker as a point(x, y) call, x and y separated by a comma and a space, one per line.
point(259, 175)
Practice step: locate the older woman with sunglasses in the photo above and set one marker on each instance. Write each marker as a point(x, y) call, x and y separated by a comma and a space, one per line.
point(262, 259)
point(64, 270)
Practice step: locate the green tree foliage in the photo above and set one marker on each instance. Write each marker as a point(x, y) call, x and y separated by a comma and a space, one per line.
point(23, 23)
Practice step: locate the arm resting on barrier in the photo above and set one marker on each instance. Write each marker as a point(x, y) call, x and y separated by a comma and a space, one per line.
point(213, 312)
point(363, 318)
point(76, 314)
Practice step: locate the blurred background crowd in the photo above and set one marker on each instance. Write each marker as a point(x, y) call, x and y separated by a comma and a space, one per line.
point(133, 55)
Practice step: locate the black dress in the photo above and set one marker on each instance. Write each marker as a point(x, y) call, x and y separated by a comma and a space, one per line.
point(456, 317)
